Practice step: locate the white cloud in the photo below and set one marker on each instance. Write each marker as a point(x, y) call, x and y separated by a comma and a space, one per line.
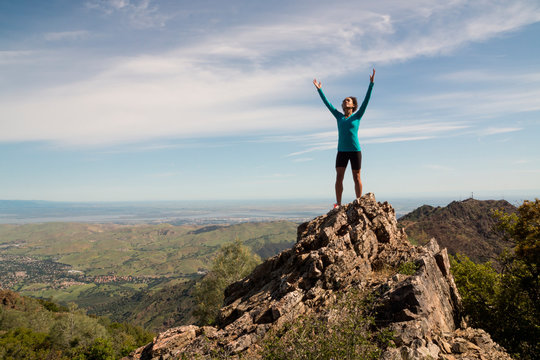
point(482, 76)
point(242, 80)
point(483, 102)
point(141, 14)
point(373, 135)
point(15, 56)
point(502, 130)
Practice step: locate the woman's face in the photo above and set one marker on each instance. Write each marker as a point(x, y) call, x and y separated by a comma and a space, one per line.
point(347, 103)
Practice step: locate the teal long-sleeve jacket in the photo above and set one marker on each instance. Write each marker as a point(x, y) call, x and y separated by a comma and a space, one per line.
point(348, 126)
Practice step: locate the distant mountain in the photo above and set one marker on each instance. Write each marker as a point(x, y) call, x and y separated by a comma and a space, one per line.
point(465, 227)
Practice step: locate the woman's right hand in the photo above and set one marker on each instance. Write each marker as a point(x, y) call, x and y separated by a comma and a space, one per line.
point(372, 76)
point(317, 83)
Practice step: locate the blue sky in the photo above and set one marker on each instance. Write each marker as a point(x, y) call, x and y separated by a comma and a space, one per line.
point(183, 100)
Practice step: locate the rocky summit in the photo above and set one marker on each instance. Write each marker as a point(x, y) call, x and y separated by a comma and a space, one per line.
point(355, 247)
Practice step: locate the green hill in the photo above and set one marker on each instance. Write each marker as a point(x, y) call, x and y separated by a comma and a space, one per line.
point(461, 226)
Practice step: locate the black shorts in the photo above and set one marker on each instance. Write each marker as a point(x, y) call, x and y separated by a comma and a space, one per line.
point(343, 158)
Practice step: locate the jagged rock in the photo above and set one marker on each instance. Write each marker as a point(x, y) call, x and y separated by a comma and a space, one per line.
point(356, 246)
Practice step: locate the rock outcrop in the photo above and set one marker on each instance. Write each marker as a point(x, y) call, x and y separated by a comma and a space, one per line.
point(356, 246)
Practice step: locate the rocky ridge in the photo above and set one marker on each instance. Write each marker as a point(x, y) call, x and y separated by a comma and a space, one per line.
point(357, 246)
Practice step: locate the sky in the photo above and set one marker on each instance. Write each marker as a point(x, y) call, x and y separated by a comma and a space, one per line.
point(139, 100)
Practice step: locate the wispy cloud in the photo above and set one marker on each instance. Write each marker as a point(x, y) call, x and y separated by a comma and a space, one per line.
point(66, 35)
point(480, 75)
point(303, 159)
point(141, 14)
point(502, 130)
point(374, 135)
point(242, 79)
point(15, 56)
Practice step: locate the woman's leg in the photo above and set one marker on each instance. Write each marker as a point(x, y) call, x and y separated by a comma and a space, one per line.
point(357, 183)
point(356, 164)
point(340, 174)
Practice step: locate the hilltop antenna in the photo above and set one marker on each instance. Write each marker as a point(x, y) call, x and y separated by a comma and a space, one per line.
point(472, 195)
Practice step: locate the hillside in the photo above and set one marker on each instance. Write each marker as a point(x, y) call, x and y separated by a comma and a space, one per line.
point(40, 329)
point(154, 310)
point(461, 226)
point(97, 266)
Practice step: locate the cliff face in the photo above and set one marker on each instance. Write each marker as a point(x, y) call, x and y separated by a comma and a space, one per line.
point(357, 246)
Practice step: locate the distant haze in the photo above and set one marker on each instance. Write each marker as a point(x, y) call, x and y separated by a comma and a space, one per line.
point(189, 212)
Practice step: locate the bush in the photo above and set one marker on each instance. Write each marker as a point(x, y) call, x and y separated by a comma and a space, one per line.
point(233, 262)
point(507, 304)
point(407, 268)
point(346, 331)
point(43, 330)
point(26, 344)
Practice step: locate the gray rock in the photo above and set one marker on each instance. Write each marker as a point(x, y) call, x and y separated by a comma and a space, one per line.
point(356, 246)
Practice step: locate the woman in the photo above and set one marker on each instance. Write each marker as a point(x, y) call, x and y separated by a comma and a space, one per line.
point(348, 145)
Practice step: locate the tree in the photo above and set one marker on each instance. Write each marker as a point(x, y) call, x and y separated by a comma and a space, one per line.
point(507, 304)
point(101, 349)
point(233, 262)
point(523, 230)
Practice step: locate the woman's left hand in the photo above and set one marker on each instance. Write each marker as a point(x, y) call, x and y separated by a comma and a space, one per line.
point(372, 76)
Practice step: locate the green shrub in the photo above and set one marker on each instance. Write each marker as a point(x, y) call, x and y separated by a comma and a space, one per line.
point(43, 330)
point(233, 262)
point(346, 331)
point(407, 268)
point(507, 304)
point(479, 286)
point(24, 343)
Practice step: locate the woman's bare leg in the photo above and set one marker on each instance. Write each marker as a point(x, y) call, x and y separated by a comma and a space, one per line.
point(357, 183)
point(340, 174)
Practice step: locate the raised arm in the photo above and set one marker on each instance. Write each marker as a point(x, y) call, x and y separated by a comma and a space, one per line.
point(330, 107)
point(363, 107)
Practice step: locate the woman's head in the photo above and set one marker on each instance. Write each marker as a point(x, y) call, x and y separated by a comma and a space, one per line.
point(350, 102)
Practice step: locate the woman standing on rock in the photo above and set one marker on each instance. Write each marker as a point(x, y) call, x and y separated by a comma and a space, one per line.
point(348, 145)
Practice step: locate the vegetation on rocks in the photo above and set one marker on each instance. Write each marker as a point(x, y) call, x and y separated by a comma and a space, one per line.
point(345, 331)
point(507, 304)
point(233, 262)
